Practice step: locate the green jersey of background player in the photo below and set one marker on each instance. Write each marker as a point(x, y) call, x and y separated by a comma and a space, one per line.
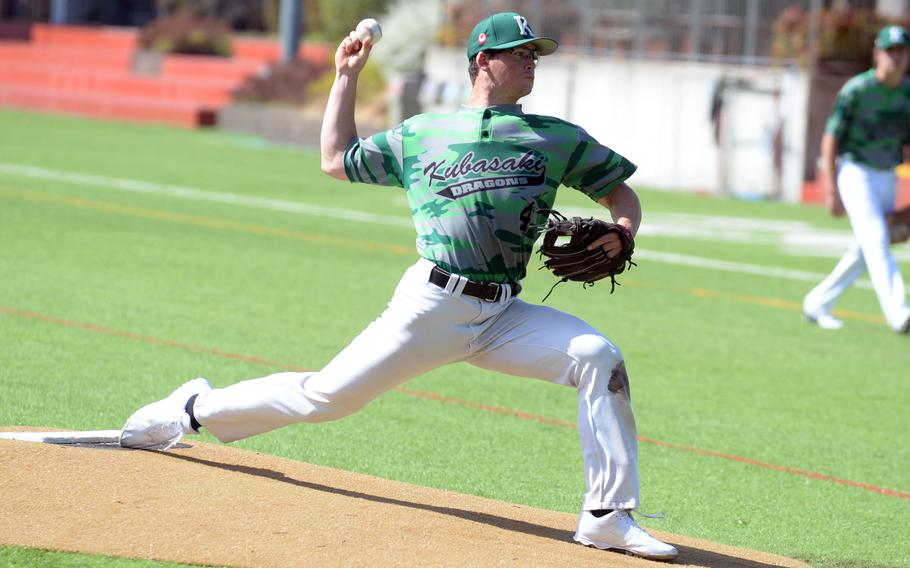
point(864, 140)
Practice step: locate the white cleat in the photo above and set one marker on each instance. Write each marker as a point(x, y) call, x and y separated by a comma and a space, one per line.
point(160, 425)
point(823, 320)
point(619, 531)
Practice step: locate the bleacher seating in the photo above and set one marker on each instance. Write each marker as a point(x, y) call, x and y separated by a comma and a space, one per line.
point(90, 71)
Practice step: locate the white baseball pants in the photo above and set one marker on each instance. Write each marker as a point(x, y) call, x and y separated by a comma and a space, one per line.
point(426, 326)
point(868, 195)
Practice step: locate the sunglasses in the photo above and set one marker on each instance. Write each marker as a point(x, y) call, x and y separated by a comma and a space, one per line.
point(522, 54)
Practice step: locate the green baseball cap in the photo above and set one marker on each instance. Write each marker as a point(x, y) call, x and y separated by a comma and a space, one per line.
point(892, 36)
point(505, 30)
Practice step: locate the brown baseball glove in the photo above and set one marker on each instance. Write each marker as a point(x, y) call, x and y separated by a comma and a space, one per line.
point(573, 261)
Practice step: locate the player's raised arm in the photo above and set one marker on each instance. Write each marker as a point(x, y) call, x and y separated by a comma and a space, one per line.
point(338, 125)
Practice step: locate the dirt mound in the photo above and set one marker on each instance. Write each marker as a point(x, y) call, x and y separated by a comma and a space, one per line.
point(214, 504)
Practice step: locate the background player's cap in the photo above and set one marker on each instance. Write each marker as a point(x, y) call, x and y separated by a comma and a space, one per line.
point(892, 36)
point(505, 30)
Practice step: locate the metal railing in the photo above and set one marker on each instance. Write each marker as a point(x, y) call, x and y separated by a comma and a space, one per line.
point(729, 31)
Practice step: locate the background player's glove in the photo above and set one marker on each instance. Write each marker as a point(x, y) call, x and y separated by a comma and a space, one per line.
point(573, 261)
point(899, 225)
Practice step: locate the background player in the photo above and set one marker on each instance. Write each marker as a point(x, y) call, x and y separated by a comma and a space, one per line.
point(862, 144)
point(479, 182)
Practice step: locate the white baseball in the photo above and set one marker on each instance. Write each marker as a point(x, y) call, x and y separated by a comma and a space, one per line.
point(368, 28)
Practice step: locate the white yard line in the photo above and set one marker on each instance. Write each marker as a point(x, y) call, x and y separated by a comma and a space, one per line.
point(137, 186)
point(737, 267)
point(788, 234)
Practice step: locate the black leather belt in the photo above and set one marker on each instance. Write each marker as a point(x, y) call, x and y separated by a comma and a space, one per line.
point(487, 291)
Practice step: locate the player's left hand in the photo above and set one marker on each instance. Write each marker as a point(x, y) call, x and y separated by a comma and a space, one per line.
point(611, 243)
point(899, 225)
point(835, 205)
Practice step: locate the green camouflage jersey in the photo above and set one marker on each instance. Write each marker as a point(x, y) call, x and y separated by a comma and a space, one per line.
point(477, 180)
point(871, 121)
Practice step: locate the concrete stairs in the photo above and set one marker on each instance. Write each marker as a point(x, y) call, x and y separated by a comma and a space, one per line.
point(101, 72)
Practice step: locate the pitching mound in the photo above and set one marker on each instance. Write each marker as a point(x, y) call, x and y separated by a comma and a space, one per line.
point(214, 504)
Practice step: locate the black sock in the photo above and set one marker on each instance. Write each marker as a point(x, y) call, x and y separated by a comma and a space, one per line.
point(601, 512)
point(189, 410)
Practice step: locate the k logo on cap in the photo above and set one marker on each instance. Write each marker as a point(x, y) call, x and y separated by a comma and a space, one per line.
point(523, 27)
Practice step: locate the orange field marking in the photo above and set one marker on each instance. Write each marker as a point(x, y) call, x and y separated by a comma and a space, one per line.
point(779, 304)
point(25, 314)
point(133, 336)
point(765, 465)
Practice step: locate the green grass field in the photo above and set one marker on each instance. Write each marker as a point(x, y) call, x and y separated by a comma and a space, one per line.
point(133, 258)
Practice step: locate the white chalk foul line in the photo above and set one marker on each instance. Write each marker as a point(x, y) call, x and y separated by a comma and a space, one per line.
point(138, 186)
point(738, 267)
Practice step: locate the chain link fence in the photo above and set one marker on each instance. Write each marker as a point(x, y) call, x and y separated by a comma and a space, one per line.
point(725, 31)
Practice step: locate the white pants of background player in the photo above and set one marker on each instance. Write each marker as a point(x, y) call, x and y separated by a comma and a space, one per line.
point(868, 195)
point(424, 327)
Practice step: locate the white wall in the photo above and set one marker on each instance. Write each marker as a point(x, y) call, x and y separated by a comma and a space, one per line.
point(892, 8)
point(658, 115)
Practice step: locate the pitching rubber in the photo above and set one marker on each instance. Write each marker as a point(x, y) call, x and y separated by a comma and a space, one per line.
point(85, 437)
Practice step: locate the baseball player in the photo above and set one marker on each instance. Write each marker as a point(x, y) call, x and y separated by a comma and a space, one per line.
point(478, 182)
point(863, 142)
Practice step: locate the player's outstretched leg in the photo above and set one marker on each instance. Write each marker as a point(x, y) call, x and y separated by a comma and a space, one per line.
point(160, 425)
point(540, 342)
point(617, 530)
